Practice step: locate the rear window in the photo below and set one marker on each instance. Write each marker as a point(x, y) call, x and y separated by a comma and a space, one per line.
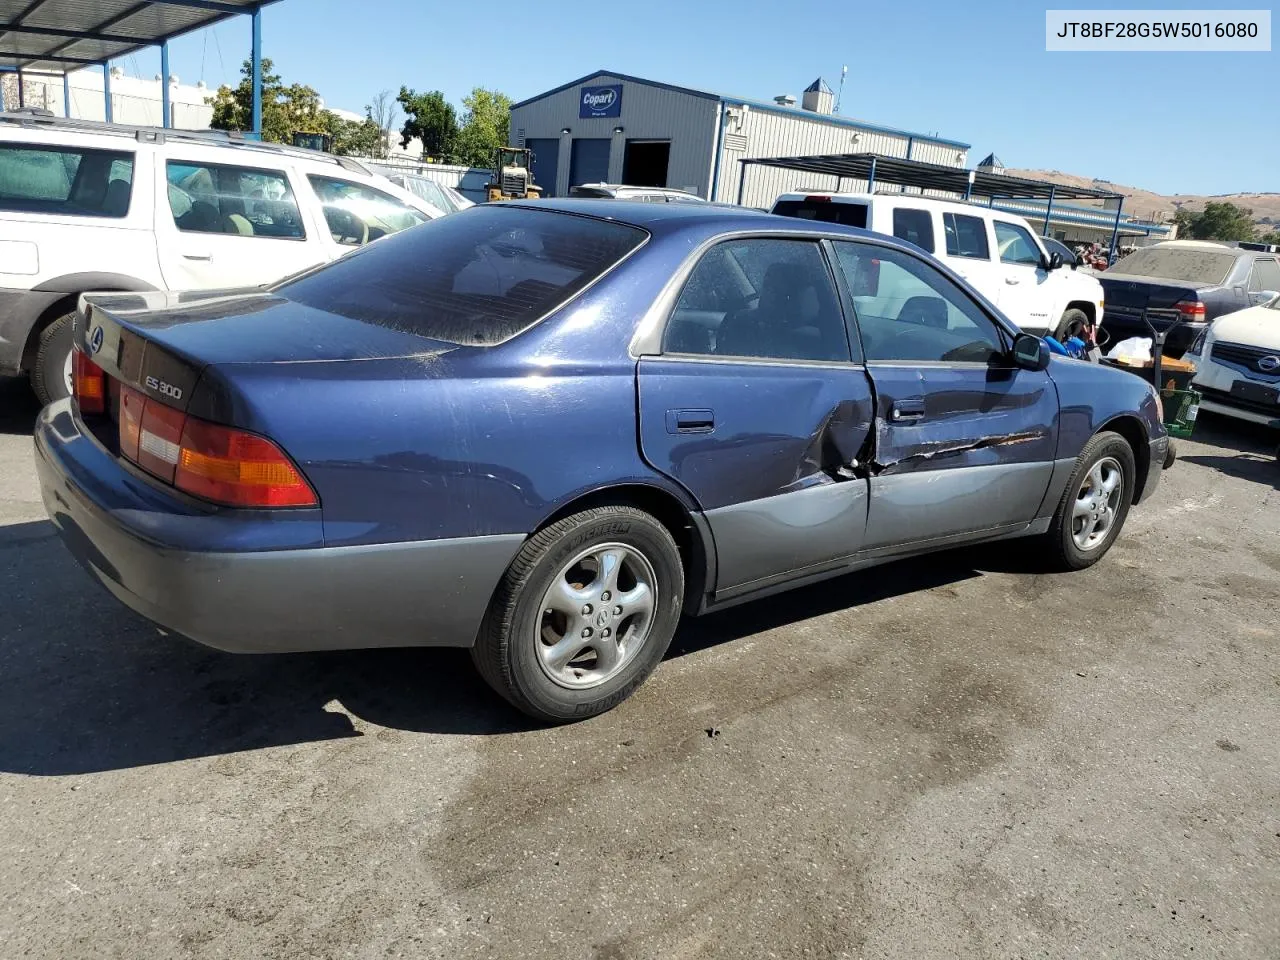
point(966, 236)
point(824, 211)
point(914, 226)
point(1208, 267)
point(478, 277)
point(65, 180)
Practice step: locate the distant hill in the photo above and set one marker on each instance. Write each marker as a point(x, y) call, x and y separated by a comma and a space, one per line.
point(1156, 206)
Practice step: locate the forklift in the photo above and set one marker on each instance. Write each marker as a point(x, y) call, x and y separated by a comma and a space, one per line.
point(512, 177)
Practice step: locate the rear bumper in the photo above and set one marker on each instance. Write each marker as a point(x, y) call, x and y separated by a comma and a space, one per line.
point(431, 593)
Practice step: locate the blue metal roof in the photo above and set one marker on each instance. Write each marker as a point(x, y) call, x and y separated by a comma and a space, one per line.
point(753, 104)
point(1074, 213)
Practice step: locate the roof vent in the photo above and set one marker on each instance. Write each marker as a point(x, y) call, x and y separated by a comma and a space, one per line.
point(785, 100)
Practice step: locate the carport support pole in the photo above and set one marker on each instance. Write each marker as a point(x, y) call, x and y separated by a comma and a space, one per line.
point(742, 181)
point(66, 95)
point(256, 57)
point(1048, 211)
point(871, 177)
point(1115, 233)
point(165, 108)
point(106, 88)
point(22, 101)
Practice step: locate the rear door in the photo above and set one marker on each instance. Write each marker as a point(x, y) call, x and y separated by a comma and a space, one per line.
point(966, 248)
point(964, 441)
point(229, 225)
point(757, 407)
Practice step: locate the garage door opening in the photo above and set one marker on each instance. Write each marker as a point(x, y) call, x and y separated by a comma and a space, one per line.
point(644, 164)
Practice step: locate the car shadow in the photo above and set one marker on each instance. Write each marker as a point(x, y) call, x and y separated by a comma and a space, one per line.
point(1247, 451)
point(18, 406)
point(87, 686)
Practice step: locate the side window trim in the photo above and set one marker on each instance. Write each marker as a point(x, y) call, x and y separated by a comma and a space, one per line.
point(853, 345)
point(1002, 332)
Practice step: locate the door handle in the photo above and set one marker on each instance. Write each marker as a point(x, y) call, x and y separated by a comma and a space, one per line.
point(691, 421)
point(1011, 280)
point(197, 256)
point(903, 410)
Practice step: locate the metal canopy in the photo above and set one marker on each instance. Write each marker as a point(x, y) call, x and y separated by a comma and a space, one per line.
point(62, 35)
point(929, 176)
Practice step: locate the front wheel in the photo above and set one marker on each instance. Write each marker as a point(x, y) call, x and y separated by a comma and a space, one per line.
point(1074, 323)
point(583, 614)
point(1094, 505)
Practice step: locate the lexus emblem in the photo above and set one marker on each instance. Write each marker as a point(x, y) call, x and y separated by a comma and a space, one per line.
point(95, 341)
point(1269, 364)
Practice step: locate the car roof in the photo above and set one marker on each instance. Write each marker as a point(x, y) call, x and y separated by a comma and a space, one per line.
point(705, 219)
point(914, 199)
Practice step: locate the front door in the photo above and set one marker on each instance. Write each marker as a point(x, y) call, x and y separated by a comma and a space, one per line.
point(1028, 289)
point(230, 226)
point(964, 441)
point(758, 409)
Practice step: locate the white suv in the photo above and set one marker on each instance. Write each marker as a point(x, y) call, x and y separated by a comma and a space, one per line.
point(89, 206)
point(998, 253)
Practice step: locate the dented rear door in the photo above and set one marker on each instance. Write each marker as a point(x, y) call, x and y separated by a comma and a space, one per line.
point(768, 445)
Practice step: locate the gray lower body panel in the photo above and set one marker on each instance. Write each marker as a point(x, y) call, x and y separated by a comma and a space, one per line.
point(931, 504)
point(792, 531)
point(429, 593)
point(19, 311)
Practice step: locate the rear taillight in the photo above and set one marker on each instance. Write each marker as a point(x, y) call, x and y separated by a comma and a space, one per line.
point(207, 460)
point(88, 384)
point(1192, 311)
point(239, 469)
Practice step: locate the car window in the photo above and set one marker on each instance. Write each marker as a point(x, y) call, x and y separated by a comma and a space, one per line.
point(240, 201)
point(966, 236)
point(476, 279)
point(1016, 244)
point(765, 298)
point(65, 180)
point(823, 210)
point(427, 191)
point(908, 310)
point(1057, 246)
point(914, 226)
point(1265, 276)
point(357, 214)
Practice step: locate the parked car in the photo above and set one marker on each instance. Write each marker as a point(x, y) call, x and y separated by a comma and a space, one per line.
point(89, 206)
point(546, 429)
point(620, 191)
point(440, 196)
point(998, 253)
point(1191, 281)
point(1238, 364)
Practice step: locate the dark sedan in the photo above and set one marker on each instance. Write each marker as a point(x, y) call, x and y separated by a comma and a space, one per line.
point(547, 430)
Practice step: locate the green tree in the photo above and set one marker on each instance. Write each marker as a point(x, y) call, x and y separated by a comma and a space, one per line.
point(485, 126)
point(285, 109)
point(429, 117)
point(1217, 221)
point(358, 138)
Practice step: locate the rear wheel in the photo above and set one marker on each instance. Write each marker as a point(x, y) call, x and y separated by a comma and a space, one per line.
point(583, 615)
point(51, 372)
point(1074, 323)
point(1094, 505)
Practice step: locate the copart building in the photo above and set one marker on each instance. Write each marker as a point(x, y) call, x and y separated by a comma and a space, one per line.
point(616, 128)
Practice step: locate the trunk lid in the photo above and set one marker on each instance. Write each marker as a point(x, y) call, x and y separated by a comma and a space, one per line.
point(1126, 296)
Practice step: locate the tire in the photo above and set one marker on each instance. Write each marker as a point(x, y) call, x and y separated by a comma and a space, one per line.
point(1072, 323)
point(48, 373)
point(525, 646)
point(1105, 451)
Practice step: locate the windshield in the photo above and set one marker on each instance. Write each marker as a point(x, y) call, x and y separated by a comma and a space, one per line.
point(478, 277)
point(1207, 267)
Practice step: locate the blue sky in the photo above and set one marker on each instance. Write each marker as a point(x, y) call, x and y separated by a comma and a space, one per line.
point(1175, 122)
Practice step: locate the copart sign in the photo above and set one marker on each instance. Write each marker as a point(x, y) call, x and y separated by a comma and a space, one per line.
point(601, 101)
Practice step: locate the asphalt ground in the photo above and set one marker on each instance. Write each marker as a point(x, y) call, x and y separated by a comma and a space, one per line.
point(949, 757)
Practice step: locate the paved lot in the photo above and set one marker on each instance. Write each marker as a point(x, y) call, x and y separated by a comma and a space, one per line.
point(945, 758)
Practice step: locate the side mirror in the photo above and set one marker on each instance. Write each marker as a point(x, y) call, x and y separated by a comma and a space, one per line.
point(1055, 260)
point(1030, 352)
point(1259, 297)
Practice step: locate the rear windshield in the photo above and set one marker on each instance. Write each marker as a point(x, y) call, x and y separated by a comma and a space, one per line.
point(65, 180)
point(824, 211)
point(477, 277)
point(1209, 267)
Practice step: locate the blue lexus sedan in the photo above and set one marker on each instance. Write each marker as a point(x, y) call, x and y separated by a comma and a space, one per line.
point(546, 430)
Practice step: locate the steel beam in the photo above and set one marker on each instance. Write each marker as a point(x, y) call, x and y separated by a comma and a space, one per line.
point(256, 65)
point(166, 110)
point(63, 32)
point(66, 95)
point(106, 87)
point(1115, 233)
point(1048, 211)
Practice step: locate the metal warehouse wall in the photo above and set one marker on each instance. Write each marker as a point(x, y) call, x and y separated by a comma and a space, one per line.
point(648, 113)
point(767, 133)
